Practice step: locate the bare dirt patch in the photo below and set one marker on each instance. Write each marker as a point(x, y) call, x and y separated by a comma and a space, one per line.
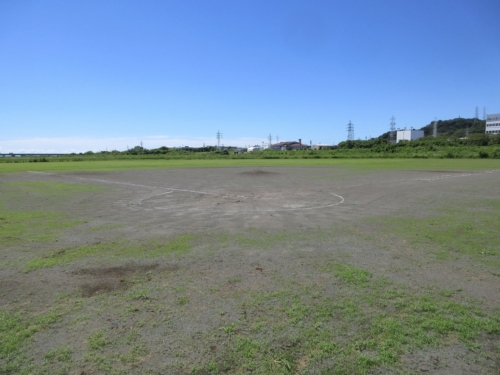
point(110, 279)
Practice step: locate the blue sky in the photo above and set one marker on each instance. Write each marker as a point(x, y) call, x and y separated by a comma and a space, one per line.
point(95, 75)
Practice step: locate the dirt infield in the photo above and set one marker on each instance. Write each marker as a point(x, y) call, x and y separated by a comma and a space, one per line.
point(194, 262)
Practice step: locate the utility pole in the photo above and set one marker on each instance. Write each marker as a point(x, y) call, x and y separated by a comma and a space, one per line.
point(435, 129)
point(477, 112)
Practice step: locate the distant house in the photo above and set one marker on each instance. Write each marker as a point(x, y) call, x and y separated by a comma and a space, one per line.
point(493, 124)
point(254, 148)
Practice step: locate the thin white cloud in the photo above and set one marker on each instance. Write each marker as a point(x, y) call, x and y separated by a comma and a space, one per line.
point(83, 144)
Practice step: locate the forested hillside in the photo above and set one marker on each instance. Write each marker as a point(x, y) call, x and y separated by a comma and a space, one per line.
point(456, 127)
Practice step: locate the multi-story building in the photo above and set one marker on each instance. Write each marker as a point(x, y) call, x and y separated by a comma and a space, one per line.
point(493, 124)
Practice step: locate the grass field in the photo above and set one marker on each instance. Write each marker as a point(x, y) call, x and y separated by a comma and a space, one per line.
point(156, 268)
point(118, 165)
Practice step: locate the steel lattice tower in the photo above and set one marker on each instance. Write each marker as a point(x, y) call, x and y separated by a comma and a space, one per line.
point(392, 131)
point(219, 137)
point(350, 131)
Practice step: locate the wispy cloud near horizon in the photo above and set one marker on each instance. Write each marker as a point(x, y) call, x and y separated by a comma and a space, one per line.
point(83, 144)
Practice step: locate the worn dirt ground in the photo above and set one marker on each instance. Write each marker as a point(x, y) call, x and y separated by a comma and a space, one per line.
point(301, 270)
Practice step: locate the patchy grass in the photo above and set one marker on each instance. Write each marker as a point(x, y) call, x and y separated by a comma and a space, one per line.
point(472, 230)
point(23, 227)
point(151, 249)
point(20, 227)
point(369, 323)
point(108, 226)
point(16, 328)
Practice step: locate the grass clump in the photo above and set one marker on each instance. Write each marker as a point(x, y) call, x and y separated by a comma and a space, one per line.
point(351, 274)
point(59, 354)
point(97, 341)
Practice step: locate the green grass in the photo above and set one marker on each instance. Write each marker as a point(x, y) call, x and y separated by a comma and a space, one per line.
point(113, 165)
point(49, 188)
point(151, 249)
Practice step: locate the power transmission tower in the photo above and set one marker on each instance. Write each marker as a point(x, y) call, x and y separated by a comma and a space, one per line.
point(270, 139)
point(392, 131)
point(219, 137)
point(350, 131)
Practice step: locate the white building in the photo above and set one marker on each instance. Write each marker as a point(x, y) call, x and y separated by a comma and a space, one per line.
point(409, 135)
point(493, 124)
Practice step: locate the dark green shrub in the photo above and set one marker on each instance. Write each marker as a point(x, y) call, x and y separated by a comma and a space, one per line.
point(483, 154)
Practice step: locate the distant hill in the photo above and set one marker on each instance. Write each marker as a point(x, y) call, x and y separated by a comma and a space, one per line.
point(453, 128)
